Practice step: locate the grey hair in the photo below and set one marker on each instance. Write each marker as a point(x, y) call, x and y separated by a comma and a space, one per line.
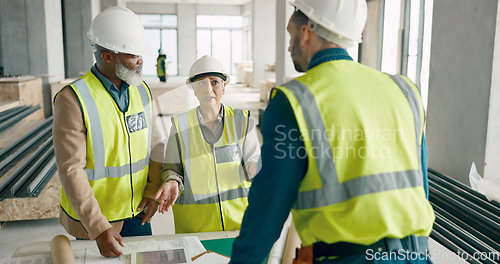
point(97, 53)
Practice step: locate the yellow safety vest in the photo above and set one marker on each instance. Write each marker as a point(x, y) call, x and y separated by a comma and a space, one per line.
point(214, 196)
point(362, 131)
point(160, 70)
point(118, 146)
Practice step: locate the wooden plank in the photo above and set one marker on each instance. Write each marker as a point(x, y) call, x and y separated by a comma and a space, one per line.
point(26, 89)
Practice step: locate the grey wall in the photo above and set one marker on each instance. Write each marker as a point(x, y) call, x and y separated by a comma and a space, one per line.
point(54, 64)
point(78, 16)
point(109, 3)
point(492, 166)
point(1, 60)
point(284, 65)
point(152, 8)
point(372, 40)
point(32, 41)
point(263, 37)
point(461, 63)
point(186, 36)
point(15, 50)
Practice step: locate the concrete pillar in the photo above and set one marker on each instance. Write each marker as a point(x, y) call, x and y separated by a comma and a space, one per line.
point(492, 166)
point(78, 52)
point(109, 3)
point(463, 121)
point(371, 48)
point(284, 65)
point(186, 32)
point(1, 59)
point(263, 37)
point(32, 42)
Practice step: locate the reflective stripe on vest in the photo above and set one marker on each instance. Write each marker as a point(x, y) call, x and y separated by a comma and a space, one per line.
point(332, 191)
point(100, 171)
point(188, 197)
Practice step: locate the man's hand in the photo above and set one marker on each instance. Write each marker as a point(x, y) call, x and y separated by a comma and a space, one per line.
point(167, 194)
point(149, 206)
point(106, 243)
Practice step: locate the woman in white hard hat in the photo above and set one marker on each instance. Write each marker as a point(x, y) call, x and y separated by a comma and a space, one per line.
point(211, 156)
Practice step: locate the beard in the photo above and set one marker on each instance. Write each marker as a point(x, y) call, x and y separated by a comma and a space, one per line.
point(132, 77)
point(296, 55)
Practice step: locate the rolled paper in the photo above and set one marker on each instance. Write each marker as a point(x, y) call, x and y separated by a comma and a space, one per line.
point(60, 249)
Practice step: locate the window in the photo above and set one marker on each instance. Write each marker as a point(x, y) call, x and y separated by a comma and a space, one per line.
point(222, 37)
point(391, 36)
point(160, 32)
point(406, 40)
point(416, 44)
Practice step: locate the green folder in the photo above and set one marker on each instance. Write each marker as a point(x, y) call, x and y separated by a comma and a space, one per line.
point(222, 246)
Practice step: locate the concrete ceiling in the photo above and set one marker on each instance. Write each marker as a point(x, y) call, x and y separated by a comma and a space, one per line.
point(218, 2)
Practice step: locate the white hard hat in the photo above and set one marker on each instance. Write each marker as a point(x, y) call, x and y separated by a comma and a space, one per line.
point(207, 66)
point(340, 21)
point(161, 52)
point(119, 29)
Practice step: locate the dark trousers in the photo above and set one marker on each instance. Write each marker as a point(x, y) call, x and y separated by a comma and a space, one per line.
point(408, 250)
point(133, 227)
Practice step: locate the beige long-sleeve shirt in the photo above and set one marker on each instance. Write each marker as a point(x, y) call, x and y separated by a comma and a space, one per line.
point(70, 136)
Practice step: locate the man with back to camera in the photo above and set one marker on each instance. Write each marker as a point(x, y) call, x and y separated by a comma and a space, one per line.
point(102, 134)
point(343, 149)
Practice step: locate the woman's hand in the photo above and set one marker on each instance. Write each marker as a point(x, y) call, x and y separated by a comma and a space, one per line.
point(167, 195)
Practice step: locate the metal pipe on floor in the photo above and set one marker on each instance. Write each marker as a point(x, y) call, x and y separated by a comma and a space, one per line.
point(465, 191)
point(48, 171)
point(9, 110)
point(9, 149)
point(11, 160)
point(458, 185)
point(17, 118)
point(476, 209)
point(449, 244)
point(463, 234)
point(33, 168)
point(461, 224)
point(466, 221)
point(12, 113)
point(24, 167)
point(480, 222)
point(461, 245)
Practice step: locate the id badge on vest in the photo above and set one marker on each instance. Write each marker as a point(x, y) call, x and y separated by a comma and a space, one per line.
point(136, 122)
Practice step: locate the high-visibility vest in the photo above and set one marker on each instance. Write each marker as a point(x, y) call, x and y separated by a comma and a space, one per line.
point(362, 132)
point(214, 196)
point(118, 146)
point(161, 66)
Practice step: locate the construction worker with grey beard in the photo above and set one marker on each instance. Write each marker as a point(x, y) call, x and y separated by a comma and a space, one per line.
point(102, 138)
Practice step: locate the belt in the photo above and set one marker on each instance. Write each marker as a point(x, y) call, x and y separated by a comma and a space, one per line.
point(344, 249)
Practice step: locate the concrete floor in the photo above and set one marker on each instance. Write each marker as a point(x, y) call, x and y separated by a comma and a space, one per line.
point(17, 233)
